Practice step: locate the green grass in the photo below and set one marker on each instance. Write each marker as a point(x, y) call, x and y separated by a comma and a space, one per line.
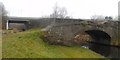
point(0, 44)
point(29, 44)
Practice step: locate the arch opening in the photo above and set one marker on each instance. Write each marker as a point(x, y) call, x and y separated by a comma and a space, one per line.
point(99, 41)
point(99, 36)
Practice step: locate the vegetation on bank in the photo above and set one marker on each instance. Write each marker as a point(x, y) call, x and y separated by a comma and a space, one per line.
point(29, 44)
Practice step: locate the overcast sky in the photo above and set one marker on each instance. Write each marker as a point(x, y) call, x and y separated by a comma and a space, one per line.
point(75, 8)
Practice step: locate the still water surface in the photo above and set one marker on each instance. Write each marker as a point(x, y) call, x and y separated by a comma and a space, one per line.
point(105, 50)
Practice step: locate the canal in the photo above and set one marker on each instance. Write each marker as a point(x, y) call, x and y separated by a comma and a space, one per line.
point(105, 50)
point(101, 43)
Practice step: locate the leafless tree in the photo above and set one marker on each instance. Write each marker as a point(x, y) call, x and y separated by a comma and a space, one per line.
point(116, 18)
point(97, 17)
point(59, 12)
point(3, 15)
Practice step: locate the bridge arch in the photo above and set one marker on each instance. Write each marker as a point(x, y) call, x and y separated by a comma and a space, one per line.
point(99, 36)
point(100, 41)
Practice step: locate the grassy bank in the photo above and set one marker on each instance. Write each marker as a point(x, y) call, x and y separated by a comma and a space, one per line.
point(29, 44)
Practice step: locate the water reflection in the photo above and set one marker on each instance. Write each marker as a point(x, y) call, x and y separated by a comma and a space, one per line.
point(107, 51)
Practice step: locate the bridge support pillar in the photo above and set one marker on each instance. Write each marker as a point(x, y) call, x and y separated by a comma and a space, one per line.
point(7, 25)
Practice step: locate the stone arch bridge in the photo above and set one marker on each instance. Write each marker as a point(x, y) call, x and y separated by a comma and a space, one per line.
point(64, 31)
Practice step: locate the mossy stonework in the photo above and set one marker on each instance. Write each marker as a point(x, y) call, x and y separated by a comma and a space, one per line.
point(64, 31)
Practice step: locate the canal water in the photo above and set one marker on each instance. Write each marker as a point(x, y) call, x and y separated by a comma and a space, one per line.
point(105, 50)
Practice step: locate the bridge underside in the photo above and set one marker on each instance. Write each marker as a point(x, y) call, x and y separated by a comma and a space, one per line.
point(25, 22)
point(99, 36)
point(100, 42)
